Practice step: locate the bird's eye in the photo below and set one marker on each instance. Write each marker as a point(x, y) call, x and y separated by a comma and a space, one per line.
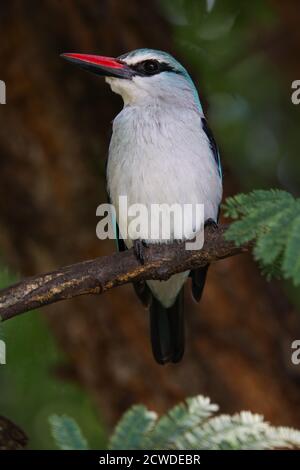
point(150, 67)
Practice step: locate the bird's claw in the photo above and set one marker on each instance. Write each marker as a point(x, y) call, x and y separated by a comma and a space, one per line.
point(139, 250)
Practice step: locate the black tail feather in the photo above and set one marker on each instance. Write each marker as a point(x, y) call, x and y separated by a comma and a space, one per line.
point(198, 281)
point(167, 330)
point(143, 292)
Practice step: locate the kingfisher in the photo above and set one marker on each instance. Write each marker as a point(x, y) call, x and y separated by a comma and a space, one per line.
point(161, 152)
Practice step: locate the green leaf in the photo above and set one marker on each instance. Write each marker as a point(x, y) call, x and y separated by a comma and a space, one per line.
point(209, 5)
point(245, 203)
point(273, 270)
point(173, 429)
point(244, 431)
point(189, 425)
point(193, 425)
point(271, 220)
point(131, 429)
point(271, 243)
point(291, 263)
point(66, 433)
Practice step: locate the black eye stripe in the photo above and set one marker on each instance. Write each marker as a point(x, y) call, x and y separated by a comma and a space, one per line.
point(147, 68)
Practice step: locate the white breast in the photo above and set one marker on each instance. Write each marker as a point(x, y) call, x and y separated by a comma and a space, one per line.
point(162, 155)
point(159, 156)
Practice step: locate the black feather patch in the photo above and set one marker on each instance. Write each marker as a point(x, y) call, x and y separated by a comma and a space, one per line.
point(143, 292)
point(213, 144)
point(198, 281)
point(167, 330)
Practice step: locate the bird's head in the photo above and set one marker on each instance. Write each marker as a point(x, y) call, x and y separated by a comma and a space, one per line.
point(142, 76)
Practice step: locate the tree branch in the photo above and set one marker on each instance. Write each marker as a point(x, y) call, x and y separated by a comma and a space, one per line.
point(11, 436)
point(101, 274)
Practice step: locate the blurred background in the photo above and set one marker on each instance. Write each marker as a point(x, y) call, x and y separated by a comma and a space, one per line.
point(87, 357)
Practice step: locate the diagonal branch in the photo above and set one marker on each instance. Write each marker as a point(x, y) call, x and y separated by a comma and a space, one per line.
point(101, 274)
point(11, 436)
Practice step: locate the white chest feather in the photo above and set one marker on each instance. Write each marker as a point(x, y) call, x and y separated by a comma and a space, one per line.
point(160, 156)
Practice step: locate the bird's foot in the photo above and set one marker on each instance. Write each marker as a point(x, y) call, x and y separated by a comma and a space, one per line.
point(139, 247)
point(211, 223)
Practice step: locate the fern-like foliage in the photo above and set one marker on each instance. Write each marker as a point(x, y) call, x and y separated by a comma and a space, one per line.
point(66, 433)
point(137, 421)
point(174, 428)
point(191, 425)
point(272, 220)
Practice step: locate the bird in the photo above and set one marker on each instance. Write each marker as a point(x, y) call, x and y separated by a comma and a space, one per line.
point(162, 151)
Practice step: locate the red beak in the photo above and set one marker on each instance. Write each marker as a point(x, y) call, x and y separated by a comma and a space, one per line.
point(105, 66)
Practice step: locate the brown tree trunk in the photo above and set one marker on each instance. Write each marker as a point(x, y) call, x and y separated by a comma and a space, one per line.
point(54, 134)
